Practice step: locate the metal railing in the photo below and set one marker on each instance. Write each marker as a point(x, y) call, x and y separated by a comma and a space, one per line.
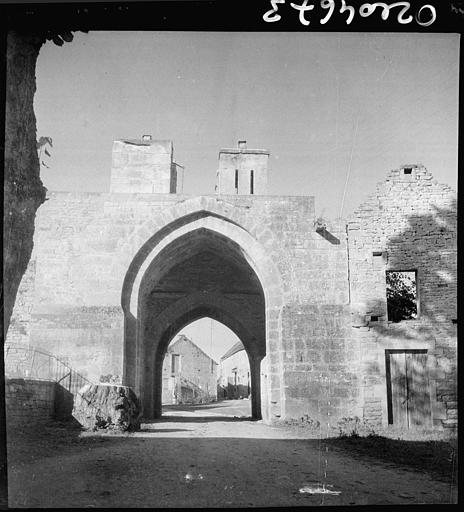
point(198, 392)
point(36, 364)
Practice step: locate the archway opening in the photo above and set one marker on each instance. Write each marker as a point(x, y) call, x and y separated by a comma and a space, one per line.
point(206, 374)
point(200, 274)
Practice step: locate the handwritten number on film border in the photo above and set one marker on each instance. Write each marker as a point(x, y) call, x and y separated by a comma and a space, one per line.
point(365, 10)
point(277, 17)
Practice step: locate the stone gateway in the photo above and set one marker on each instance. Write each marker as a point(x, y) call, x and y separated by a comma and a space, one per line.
point(113, 277)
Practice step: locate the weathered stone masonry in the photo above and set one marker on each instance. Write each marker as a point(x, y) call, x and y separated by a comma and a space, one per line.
point(29, 401)
point(410, 222)
point(113, 276)
point(307, 320)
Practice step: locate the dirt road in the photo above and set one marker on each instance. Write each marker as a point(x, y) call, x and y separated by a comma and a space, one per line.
point(192, 458)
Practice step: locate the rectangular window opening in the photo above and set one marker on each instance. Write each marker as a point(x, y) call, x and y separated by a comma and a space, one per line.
point(236, 180)
point(377, 253)
point(374, 318)
point(454, 320)
point(402, 303)
point(174, 363)
point(407, 170)
point(252, 185)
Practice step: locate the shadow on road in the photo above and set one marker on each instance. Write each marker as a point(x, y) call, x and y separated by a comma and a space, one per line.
point(174, 418)
point(165, 430)
point(267, 470)
point(438, 458)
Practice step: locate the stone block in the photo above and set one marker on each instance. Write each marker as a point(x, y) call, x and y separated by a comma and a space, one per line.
point(439, 411)
point(107, 406)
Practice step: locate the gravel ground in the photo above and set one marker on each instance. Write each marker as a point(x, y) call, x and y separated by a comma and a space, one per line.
point(192, 458)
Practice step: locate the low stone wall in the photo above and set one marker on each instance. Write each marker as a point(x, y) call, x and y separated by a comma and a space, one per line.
point(29, 401)
point(33, 401)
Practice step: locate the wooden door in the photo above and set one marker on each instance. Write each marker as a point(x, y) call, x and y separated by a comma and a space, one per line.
point(419, 414)
point(408, 388)
point(398, 410)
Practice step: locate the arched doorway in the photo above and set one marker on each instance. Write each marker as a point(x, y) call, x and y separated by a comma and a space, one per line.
point(200, 274)
point(195, 266)
point(194, 374)
point(205, 367)
point(240, 286)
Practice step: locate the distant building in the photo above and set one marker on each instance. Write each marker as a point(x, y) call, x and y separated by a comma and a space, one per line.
point(234, 374)
point(189, 375)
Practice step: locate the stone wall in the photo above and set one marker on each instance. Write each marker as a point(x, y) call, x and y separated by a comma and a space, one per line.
point(29, 401)
point(84, 244)
point(409, 223)
point(321, 363)
point(326, 326)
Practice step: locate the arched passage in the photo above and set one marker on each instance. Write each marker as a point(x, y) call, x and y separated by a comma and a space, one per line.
point(202, 309)
point(206, 267)
point(201, 273)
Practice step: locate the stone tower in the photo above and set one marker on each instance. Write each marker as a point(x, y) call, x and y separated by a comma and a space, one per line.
point(145, 166)
point(242, 171)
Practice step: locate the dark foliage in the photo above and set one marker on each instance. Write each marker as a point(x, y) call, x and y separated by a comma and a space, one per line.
point(401, 296)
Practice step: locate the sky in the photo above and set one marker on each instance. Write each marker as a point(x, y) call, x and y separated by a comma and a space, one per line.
point(336, 111)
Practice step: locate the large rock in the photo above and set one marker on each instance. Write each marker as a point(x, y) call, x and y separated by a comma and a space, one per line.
point(109, 406)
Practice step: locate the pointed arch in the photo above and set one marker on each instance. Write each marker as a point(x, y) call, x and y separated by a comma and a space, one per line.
point(179, 315)
point(153, 259)
point(256, 254)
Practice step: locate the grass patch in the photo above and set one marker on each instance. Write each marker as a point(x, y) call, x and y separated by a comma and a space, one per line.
point(428, 451)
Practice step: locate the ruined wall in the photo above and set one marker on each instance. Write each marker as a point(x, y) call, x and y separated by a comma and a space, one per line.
point(23, 189)
point(408, 223)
